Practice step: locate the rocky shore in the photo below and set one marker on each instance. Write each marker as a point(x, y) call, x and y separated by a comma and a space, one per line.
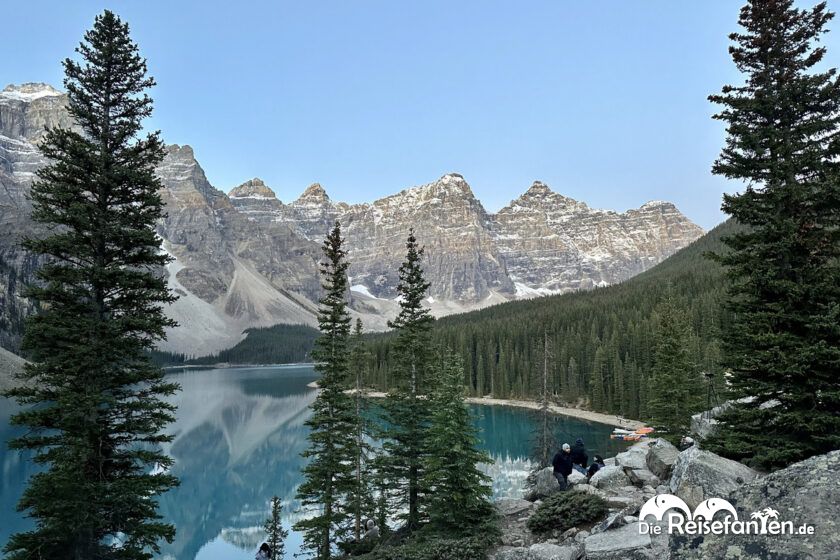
point(805, 492)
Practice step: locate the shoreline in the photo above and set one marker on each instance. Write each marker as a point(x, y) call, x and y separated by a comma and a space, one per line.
point(577, 413)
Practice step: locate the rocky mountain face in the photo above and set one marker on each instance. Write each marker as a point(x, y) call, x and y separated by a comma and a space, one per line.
point(247, 259)
point(550, 243)
point(25, 113)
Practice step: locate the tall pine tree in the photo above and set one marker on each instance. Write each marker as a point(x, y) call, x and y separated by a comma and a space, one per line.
point(543, 443)
point(783, 345)
point(361, 500)
point(459, 493)
point(94, 406)
point(328, 476)
point(406, 414)
point(675, 391)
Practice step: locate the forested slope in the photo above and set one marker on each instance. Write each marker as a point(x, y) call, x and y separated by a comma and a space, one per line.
point(600, 342)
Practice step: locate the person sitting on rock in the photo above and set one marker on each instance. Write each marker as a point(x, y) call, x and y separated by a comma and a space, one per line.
point(579, 457)
point(562, 464)
point(596, 466)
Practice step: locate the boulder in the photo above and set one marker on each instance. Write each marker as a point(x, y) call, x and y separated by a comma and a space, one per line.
point(642, 477)
point(699, 475)
point(576, 478)
point(635, 457)
point(546, 551)
point(543, 485)
point(805, 492)
point(609, 477)
point(624, 543)
point(625, 498)
point(661, 458)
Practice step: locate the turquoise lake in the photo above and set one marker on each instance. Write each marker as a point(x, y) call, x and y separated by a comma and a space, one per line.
point(238, 437)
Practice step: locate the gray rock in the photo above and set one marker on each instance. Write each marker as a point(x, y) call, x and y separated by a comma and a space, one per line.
point(663, 489)
point(511, 553)
point(10, 365)
point(609, 477)
point(613, 521)
point(623, 543)
point(546, 551)
point(642, 477)
point(576, 478)
point(581, 536)
point(514, 506)
point(635, 457)
point(805, 492)
point(699, 475)
point(661, 458)
point(543, 485)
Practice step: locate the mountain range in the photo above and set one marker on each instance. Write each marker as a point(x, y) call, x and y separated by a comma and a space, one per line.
point(246, 259)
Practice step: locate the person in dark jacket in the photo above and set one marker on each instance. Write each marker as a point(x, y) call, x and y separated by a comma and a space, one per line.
point(579, 457)
point(562, 464)
point(596, 466)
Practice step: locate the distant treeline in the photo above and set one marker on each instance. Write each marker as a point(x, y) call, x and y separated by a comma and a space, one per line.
point(279, 344)
point(601, 343)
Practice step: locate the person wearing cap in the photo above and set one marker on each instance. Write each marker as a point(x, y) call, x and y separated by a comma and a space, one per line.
point(562, 464)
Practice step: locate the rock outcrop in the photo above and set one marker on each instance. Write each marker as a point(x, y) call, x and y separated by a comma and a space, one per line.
point(699, 475)
point(553, 244)
point(661, 458)
point(807, 492)
point(544, 484)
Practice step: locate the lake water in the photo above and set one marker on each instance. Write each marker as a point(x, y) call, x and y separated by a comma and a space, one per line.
point(238, 437)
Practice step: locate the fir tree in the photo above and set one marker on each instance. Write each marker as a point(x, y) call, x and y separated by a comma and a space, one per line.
point(276, 534)
point(361, 501)
point(544, 443)
point(598, 399)
point(459, 498)
point(783, 345)
point(93, 403)
point(675, 389)
point(406, 415)
point(329, 474)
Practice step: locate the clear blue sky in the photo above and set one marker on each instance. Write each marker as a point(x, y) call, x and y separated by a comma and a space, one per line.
point(603, 100)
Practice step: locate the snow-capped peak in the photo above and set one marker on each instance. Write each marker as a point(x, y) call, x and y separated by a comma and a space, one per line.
point(29, 91)
point(655, 204)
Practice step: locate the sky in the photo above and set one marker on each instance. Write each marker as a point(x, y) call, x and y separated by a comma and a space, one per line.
point(605, 101)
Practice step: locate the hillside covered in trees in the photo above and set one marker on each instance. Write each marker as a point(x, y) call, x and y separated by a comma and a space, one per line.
point(602, 344)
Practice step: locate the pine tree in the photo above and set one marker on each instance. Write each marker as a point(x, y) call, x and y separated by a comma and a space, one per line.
point(675, 389)
point(406, 415)
point(361, 499)
point(328, 474)
point(598, 400)
point(544, 442)
point(784, 342)
point(93, 403)
point(459, 498)
point(276, 534)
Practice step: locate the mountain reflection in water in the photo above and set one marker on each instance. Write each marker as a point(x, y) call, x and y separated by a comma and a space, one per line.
point(239, 434)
